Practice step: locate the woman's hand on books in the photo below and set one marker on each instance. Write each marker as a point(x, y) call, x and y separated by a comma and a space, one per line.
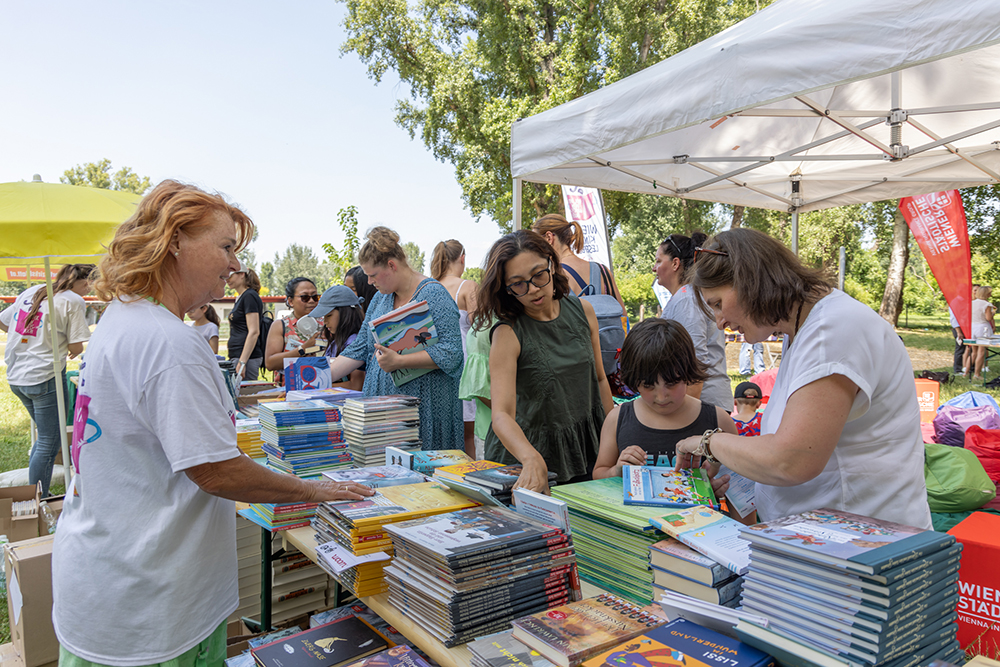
point(719, 484)
point(388, 360)
point(633, 455)
point(323, 491)
point(534, 476)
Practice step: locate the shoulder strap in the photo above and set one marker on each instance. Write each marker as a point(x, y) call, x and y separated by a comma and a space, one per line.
point(576, 276)
point(423, 283)
point(595, 277)
point(459, 290)
point(606, 274)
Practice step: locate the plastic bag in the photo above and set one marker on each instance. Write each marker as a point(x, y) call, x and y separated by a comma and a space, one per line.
point(956, 481)
point(951, 423)
point(985, 444)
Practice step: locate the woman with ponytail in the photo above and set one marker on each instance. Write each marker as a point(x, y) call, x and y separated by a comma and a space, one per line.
point(447, 267)
point(566, 238)
point(29, 357)
point(673, 259)
point(384, 262)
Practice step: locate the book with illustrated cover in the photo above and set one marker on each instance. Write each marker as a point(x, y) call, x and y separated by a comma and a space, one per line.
point(286, 413)
point(575, 632)
point(602, 498)
point(397, 656)
point(400, 503)
point(376, 476)
point(858, 543)
point(474, 491)
point(376, 404)
point(682, 560)
point(502, 478)
point(307, 373)
point(334, 644)
point(460, 470)
point(681, 642)
point(502, 650)
point(710, 533)
point(405, 330)
point(666, 487)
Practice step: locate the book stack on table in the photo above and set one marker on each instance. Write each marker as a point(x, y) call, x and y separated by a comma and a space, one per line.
point(612, 540)
point(335, 396)
point(248, 438)
point(679, 568)
point(493, 479)
point(852, 590)
point(425, 461)
point(359, 527)
point(303, 438)
point(371, 424)
point(275, 517)
point(464, 574)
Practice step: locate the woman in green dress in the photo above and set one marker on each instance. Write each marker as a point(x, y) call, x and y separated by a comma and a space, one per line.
point(550, 394)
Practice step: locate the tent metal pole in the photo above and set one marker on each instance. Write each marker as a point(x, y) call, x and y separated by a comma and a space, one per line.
point(517, 204)
point(795, 231)
point(57, 367)
point(841, 268)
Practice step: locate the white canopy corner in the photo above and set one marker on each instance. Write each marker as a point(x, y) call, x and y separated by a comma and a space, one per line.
point(806, 105)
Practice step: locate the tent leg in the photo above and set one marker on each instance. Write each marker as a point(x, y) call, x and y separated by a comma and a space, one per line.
point(57, 367)
point(795, 232)
point(517, 204)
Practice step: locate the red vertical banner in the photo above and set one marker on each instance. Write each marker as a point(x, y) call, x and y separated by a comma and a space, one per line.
point(937, 221)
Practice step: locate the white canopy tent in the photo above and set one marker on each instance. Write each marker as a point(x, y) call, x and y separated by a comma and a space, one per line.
point(806, 105)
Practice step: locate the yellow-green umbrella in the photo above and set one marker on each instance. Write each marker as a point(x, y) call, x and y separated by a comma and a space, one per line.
point(52, 224)
point(66, 223)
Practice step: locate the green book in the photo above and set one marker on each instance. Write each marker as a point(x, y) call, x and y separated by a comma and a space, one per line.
point(602, 498)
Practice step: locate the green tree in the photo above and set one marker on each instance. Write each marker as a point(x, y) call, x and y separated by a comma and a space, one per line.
point(297, 260)
point(414, 256)
point(473, 273)
point(98, 175)
point(346, 257)
point(474, 68)
point(267, 278)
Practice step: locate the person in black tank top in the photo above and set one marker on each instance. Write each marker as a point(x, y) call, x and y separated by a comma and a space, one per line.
point(658, 361)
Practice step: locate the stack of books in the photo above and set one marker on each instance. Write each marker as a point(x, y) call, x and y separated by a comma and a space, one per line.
point(464, 574)
point(679, 568)
point(339, 642)
point(275, 517)
point(359, 527)
point(494, 479)
point(852, 590)
point(612, 540)
point(248, 438)
point(303, 438)
point(371, 424)
point(425, 461)
point(333, 395)
point(376, 476)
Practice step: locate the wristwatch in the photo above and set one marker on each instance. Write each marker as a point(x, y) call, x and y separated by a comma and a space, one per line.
point(302, 352)
point(704, 447)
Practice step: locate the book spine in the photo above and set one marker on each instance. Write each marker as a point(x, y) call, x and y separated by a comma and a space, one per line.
point(545, 600)
point(549, 541)
point(907, 550)
point(906, 571)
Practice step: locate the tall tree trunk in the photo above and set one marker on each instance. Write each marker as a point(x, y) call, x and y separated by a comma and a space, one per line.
point(892, 299)
point(737, 217)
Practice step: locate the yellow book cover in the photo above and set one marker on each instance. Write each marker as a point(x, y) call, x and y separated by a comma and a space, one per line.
point(402, 503)
point(460, 470)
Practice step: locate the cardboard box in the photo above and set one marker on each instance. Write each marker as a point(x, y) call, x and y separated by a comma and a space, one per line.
point(28, 567)
point(252, 393)
point(21, 527)
point(979, 582)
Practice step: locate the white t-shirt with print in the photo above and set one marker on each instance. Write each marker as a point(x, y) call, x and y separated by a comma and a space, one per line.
point(877, 468)
point(29, 348)
point(144, 562)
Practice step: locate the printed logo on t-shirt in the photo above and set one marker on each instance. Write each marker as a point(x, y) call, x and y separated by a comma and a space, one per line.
point(85, 430)
point(659, 460)
point(25, 328)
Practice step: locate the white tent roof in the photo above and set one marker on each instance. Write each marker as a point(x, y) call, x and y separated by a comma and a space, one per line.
point(803, 87)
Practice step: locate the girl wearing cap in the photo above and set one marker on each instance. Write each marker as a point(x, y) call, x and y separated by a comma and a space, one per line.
point(244, 322)
point(842, 425)
point(295, 335)
point(673, 259)
point(341, 315)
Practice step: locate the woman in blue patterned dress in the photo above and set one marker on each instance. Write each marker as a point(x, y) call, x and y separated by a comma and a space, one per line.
point(384, 262)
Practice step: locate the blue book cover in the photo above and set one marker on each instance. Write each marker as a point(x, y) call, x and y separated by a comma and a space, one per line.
point(665, 487)
point(859, 543)
point(307, 373)
point(406, 330)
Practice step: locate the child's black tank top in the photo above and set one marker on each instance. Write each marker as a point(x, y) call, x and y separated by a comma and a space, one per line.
point(660, 443)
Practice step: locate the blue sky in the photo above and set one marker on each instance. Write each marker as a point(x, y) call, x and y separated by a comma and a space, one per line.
point(252, 99)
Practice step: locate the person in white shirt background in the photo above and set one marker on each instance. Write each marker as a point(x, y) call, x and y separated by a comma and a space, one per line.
point(29, 353)
point(206, 321)
point(842, 425)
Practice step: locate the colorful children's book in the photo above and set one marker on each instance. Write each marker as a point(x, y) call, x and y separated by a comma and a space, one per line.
point(574, 632)
point(681, 642)
point(666, 487)
point(425, 461)
point(502, 478)
point(400, 503)
point(858, 543)
point(460, 470)
point(307, 373)
point(710, 533)
point(406, 330)
point(334, 644)
point(376, 476)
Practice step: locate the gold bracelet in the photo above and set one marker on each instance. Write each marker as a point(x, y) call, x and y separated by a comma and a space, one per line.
point(704, 447)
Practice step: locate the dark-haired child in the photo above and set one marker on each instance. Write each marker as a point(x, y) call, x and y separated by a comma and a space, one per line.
point(658, 361)
point(748, 399)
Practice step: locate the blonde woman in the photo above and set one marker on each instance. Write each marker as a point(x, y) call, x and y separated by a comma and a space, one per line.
point(149, 522)
point(447, 267)
point(29, 357)
point(982, 327)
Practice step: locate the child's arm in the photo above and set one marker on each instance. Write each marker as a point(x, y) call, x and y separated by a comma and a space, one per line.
point(609, 462)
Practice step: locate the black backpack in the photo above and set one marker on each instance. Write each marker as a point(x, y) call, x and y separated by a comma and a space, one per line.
point(265, 326)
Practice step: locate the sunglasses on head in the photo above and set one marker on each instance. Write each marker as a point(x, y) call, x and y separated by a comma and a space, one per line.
point(309, 297)
point(709, 251)
point(677, 251)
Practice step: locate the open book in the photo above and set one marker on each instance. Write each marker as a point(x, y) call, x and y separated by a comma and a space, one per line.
point(405, 330)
